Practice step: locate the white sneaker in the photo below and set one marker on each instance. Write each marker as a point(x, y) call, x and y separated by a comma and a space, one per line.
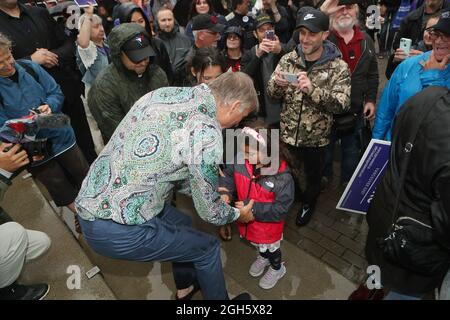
point(270, 279)
point(258, 266)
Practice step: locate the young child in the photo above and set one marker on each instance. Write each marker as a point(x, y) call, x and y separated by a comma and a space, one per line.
point(273, 196)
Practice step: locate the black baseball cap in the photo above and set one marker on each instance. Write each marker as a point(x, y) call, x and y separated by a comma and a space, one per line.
point(348, 2)
point(443, 23)
point(138, 48)
point(262, 19)
point(234, 29)
point(206, 21)
point(314, 20)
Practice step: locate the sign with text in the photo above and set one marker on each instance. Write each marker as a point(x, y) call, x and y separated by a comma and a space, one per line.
point(361, 188)
point(85, 3)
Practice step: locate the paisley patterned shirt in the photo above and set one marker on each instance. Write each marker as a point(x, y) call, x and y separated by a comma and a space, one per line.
point(170, 136)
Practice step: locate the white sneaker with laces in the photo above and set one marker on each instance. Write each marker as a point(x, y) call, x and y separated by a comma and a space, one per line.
point(258, 266)
point(270, 279)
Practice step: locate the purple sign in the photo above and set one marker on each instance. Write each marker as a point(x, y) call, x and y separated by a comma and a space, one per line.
point(361, 188)
point(85, 3)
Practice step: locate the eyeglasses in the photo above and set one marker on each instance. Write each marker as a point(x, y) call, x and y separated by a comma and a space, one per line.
point(435, 35)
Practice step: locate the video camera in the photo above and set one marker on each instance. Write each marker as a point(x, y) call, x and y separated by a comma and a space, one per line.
point(23, 131)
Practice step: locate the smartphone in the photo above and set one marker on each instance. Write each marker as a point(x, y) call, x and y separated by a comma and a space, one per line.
point(405, 45)
point(85, 3)
point(270, 34)
point(92, 272)
point(291, 77)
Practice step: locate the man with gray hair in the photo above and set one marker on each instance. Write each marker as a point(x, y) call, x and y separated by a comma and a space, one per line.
point(171, 135)
point(358, 51)
point(207, 30)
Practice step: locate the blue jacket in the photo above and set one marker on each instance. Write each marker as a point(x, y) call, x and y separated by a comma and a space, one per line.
point(408, 79)
point(18, 98)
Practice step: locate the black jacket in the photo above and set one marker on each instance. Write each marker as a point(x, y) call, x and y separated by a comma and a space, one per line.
point(365, 78)
point(178, 46)
point(261, 69)
point(44, 32)
point(427, 180)
point(123, 14)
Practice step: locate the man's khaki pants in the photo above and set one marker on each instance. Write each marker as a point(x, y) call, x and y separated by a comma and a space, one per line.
point(17, 246)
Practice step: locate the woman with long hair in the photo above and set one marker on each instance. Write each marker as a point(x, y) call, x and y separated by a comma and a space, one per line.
point(233, 48)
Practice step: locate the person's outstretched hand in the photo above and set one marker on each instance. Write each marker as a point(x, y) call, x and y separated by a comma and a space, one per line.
point(246, 214)
point(330, 7)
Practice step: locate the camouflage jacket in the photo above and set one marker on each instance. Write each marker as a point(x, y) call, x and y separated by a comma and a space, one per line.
point(306, 119)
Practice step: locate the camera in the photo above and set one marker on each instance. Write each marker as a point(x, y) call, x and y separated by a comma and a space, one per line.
point(23, 131)
point(39, 147)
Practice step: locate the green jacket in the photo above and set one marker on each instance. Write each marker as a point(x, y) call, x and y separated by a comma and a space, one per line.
point(116, 88)
point(306, 119)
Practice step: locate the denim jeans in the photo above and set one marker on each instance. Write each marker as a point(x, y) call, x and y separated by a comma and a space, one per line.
point(392, 295)
point(350, 149)
point(167, 237)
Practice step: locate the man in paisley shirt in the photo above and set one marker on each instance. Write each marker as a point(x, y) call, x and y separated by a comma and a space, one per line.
point(170, 135)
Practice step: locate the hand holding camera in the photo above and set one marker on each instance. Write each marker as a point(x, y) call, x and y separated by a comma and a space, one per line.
point(44, 109)
point(23, 131)
point(280, 80)
point(304, 84)
point(273, 42)
point(12, 157)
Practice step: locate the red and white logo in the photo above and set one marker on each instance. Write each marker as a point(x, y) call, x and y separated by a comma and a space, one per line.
point(140, 39)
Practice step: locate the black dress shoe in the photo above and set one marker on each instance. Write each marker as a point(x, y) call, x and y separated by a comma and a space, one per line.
point(190, 294)
point(22, 292)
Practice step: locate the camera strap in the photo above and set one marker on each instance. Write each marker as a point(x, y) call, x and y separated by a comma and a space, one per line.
point(407, 149)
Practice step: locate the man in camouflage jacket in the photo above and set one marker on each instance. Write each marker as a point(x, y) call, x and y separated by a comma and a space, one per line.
point(320, 88)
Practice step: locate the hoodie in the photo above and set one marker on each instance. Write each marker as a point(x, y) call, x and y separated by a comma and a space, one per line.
point(307, 118)
point(123, 15)
point(116, 88)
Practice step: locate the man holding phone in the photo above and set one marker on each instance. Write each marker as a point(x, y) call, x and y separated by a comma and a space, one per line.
point(411, 27)
point(260, 61)
point(322, 89)
point(414, 74)
point(280, 17)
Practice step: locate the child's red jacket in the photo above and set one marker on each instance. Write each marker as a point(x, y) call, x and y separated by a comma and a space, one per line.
point(273, 196)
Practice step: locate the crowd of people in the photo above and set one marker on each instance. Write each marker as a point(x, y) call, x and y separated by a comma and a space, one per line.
point(162, 78)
